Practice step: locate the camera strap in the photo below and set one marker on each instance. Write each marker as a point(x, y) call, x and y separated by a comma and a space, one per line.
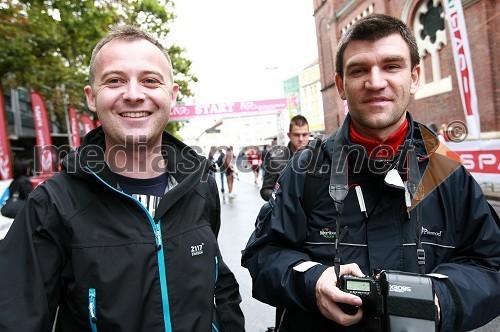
point(339, 188)
point(414, 179)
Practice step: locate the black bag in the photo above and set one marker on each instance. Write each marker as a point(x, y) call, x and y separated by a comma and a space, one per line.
point(12, 206)
point(262, 223)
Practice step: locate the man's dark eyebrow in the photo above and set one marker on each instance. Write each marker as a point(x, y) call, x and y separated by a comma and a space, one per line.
point(388, 59)
point(394, 58)
point(354, 63)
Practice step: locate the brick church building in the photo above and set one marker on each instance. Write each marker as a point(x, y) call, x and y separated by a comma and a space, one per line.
point(438, 98)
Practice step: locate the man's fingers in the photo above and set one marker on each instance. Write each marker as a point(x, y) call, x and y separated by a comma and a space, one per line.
point(332, 311)
point(347, 298)
point(352, 269)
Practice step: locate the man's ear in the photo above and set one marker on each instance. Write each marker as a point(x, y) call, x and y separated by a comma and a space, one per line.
point(175, 91)
point(89, 95)
point(415, 76)
point(339, 83)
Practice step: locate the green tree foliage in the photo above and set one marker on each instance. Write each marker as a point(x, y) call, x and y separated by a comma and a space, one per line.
point(46, 45)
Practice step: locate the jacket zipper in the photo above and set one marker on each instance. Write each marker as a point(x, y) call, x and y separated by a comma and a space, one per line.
point(216, 269)
point(159, 253)
point(214, 327)
point(92, 310)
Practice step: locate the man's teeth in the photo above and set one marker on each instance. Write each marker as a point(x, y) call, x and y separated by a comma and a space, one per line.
point(134, 114)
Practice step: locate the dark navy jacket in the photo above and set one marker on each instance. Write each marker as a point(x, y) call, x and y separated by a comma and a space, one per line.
point(86, 247)
point(456, 227)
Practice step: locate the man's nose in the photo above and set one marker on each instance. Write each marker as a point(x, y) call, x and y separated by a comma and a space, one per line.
point(376, 80)
point(133, 91)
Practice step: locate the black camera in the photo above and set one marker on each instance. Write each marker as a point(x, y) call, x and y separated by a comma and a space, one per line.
point(393, 300)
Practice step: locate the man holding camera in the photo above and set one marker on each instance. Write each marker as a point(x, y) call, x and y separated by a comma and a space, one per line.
point(393, 199)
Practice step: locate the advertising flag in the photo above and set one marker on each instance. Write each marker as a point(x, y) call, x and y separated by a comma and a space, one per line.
point(87, 122)
point(463, 64)
point(44, 149)
point(5, 160)
point(75, 131)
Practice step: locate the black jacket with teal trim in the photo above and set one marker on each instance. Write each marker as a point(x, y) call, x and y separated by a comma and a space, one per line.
point(458, 230)
point(81, 243)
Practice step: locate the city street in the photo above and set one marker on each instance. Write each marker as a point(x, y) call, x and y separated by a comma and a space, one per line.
point(238, 217)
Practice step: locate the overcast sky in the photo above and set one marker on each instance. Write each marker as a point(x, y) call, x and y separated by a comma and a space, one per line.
point(244, 49)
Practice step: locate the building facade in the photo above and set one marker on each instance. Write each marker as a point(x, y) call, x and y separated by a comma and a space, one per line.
point(311, 102)
point(438, 99)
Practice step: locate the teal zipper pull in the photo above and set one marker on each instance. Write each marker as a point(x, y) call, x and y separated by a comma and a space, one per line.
point(216, 268)
point(92, 310)
point(158, 236)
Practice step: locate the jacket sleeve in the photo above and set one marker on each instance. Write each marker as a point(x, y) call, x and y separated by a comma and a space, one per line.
point(227, 294)
point(268, 185)
point(275, 282)
point(31, 261)
point(469, 296)
point(274, 164)
point(228, 299)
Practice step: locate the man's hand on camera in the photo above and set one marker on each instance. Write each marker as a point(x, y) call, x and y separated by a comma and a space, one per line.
point(328, 295)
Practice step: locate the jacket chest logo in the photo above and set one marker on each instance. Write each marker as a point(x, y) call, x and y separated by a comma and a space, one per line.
point(327, 233)
point(197, 249)
point(425, 231)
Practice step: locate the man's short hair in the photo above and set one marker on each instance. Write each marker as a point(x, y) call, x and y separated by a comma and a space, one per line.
point(298, 121)
point(128, 33)
point(374, 27)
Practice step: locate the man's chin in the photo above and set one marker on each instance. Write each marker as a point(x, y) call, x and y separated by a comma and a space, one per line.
point(136, 138)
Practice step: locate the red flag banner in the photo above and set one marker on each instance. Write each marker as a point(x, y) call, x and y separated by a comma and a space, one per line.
point(87, 122)
point(463, 64)
point(44, 149)
point(75, 131)
point(5, 160)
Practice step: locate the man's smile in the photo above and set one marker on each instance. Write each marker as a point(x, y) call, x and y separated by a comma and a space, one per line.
point(140, 114)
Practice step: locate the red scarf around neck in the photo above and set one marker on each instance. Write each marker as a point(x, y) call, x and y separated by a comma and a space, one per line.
point(392, 143)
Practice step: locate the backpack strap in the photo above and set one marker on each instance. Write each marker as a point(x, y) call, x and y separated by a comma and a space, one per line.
point(313, 176)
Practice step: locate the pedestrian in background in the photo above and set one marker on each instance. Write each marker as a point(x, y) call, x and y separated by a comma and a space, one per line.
point(19, 188)
point(262, 168)
point(124, 237)
point(221, 169)
point(254, 161)
point(432, 126)
point(278, 156)
point(393, 198)
point(443, 131)
point(229, 167)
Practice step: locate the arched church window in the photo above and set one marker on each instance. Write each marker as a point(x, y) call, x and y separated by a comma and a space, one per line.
point(429, 29)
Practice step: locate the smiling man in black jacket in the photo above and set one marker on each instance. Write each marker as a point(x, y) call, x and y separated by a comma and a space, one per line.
point(124, 238)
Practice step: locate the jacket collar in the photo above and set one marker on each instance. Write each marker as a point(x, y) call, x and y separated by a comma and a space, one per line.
point(413, 135)
point(182, 161)
point(338, 149)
